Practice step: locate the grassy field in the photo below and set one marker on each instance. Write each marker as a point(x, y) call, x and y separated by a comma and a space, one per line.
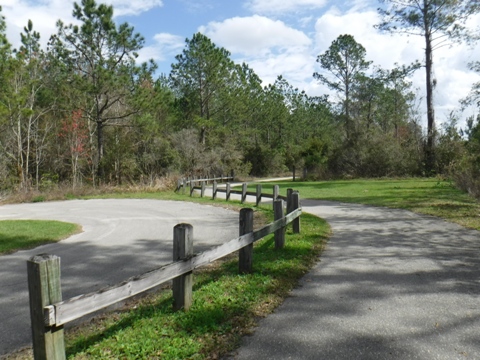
point(424, 196)
point(27, 234)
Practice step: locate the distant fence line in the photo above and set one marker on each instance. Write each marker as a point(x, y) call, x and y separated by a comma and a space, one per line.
point(191, 183)
point(49, 313)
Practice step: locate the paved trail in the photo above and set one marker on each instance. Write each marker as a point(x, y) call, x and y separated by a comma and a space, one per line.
point(121, 238)
point(390, 285)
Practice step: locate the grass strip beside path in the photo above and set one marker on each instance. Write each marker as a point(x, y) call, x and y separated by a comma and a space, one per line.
point(226, 305)
point(26, 234)
point(423, 196)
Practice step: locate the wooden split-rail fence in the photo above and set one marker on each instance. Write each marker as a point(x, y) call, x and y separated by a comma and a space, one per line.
point(200, 185)
point(49, 313)
point(193, 181)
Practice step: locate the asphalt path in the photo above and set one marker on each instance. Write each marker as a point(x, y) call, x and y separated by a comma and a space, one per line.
point(120, 239)
point(390, 285)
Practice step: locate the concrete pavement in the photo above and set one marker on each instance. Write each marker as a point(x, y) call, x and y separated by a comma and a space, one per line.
point(121, 238)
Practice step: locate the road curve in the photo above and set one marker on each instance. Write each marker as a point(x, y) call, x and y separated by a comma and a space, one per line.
point(390, 285)
point(121, 238)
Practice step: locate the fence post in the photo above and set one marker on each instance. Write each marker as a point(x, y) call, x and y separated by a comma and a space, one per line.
point(214, 189)
point(192, 185)
point(245, 254)
point(259, 194)
point(202, 191)
point(289, 200)
point(276, 190)
point(44, 289)
point(182, 249)
point(293, 170)
point(232, 175)
point(295, 206)
point(227, 193)
point(244, 192)
point(279, 214)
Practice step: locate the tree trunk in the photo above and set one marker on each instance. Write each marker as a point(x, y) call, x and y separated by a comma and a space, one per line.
point(100, 170)
point(429, 151)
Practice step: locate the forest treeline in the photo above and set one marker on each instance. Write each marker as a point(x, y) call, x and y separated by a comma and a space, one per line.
point(83, 111)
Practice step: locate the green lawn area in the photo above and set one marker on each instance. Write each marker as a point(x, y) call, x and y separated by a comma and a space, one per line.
point(26, 234)
point(424, 196)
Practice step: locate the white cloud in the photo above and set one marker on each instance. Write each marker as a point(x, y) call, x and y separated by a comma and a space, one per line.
point(383, 49)
point(45, 14)
point(129, 7)
point(453, 77)
point(166, 45)
point(283, 6)
point(270, 47)
point(255, 35)
point(296, 68)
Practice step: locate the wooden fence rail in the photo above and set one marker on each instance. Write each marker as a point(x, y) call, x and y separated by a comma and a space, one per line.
point(258, 193)
point(183, 183)
point(49, 313)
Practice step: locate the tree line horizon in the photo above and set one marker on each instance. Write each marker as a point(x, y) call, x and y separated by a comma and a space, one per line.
point(83, 111)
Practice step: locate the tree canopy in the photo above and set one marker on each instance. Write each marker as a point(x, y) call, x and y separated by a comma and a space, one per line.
point(83, 110)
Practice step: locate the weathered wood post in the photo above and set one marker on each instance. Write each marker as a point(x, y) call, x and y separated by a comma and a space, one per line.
point(295, 206)
point(276, 190)
point(192, 186)
point(245, 254)
point(182, 249)
point(202, 189)
point(259, 195)
point(232, 175)
point(293, 170)
point(289, 200)
point(278, 213)
point(214, 190)
point(227, 192)
point(44, 289)
point(244, 192)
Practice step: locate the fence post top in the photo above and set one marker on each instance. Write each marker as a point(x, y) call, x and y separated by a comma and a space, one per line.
point(246, 210)
point(183, 226)
point(43, 257)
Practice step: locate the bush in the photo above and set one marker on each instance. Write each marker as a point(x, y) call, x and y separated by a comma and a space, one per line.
point(466, 175)
point(264, 160)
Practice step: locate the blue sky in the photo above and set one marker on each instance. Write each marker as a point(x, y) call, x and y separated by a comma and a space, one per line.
point(275, 37)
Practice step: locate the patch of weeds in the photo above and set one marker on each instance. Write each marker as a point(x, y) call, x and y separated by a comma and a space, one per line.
point(39, 198)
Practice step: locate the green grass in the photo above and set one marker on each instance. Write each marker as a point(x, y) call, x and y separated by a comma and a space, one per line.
point(26, 234)
point(226, 305)
point(424, 196)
